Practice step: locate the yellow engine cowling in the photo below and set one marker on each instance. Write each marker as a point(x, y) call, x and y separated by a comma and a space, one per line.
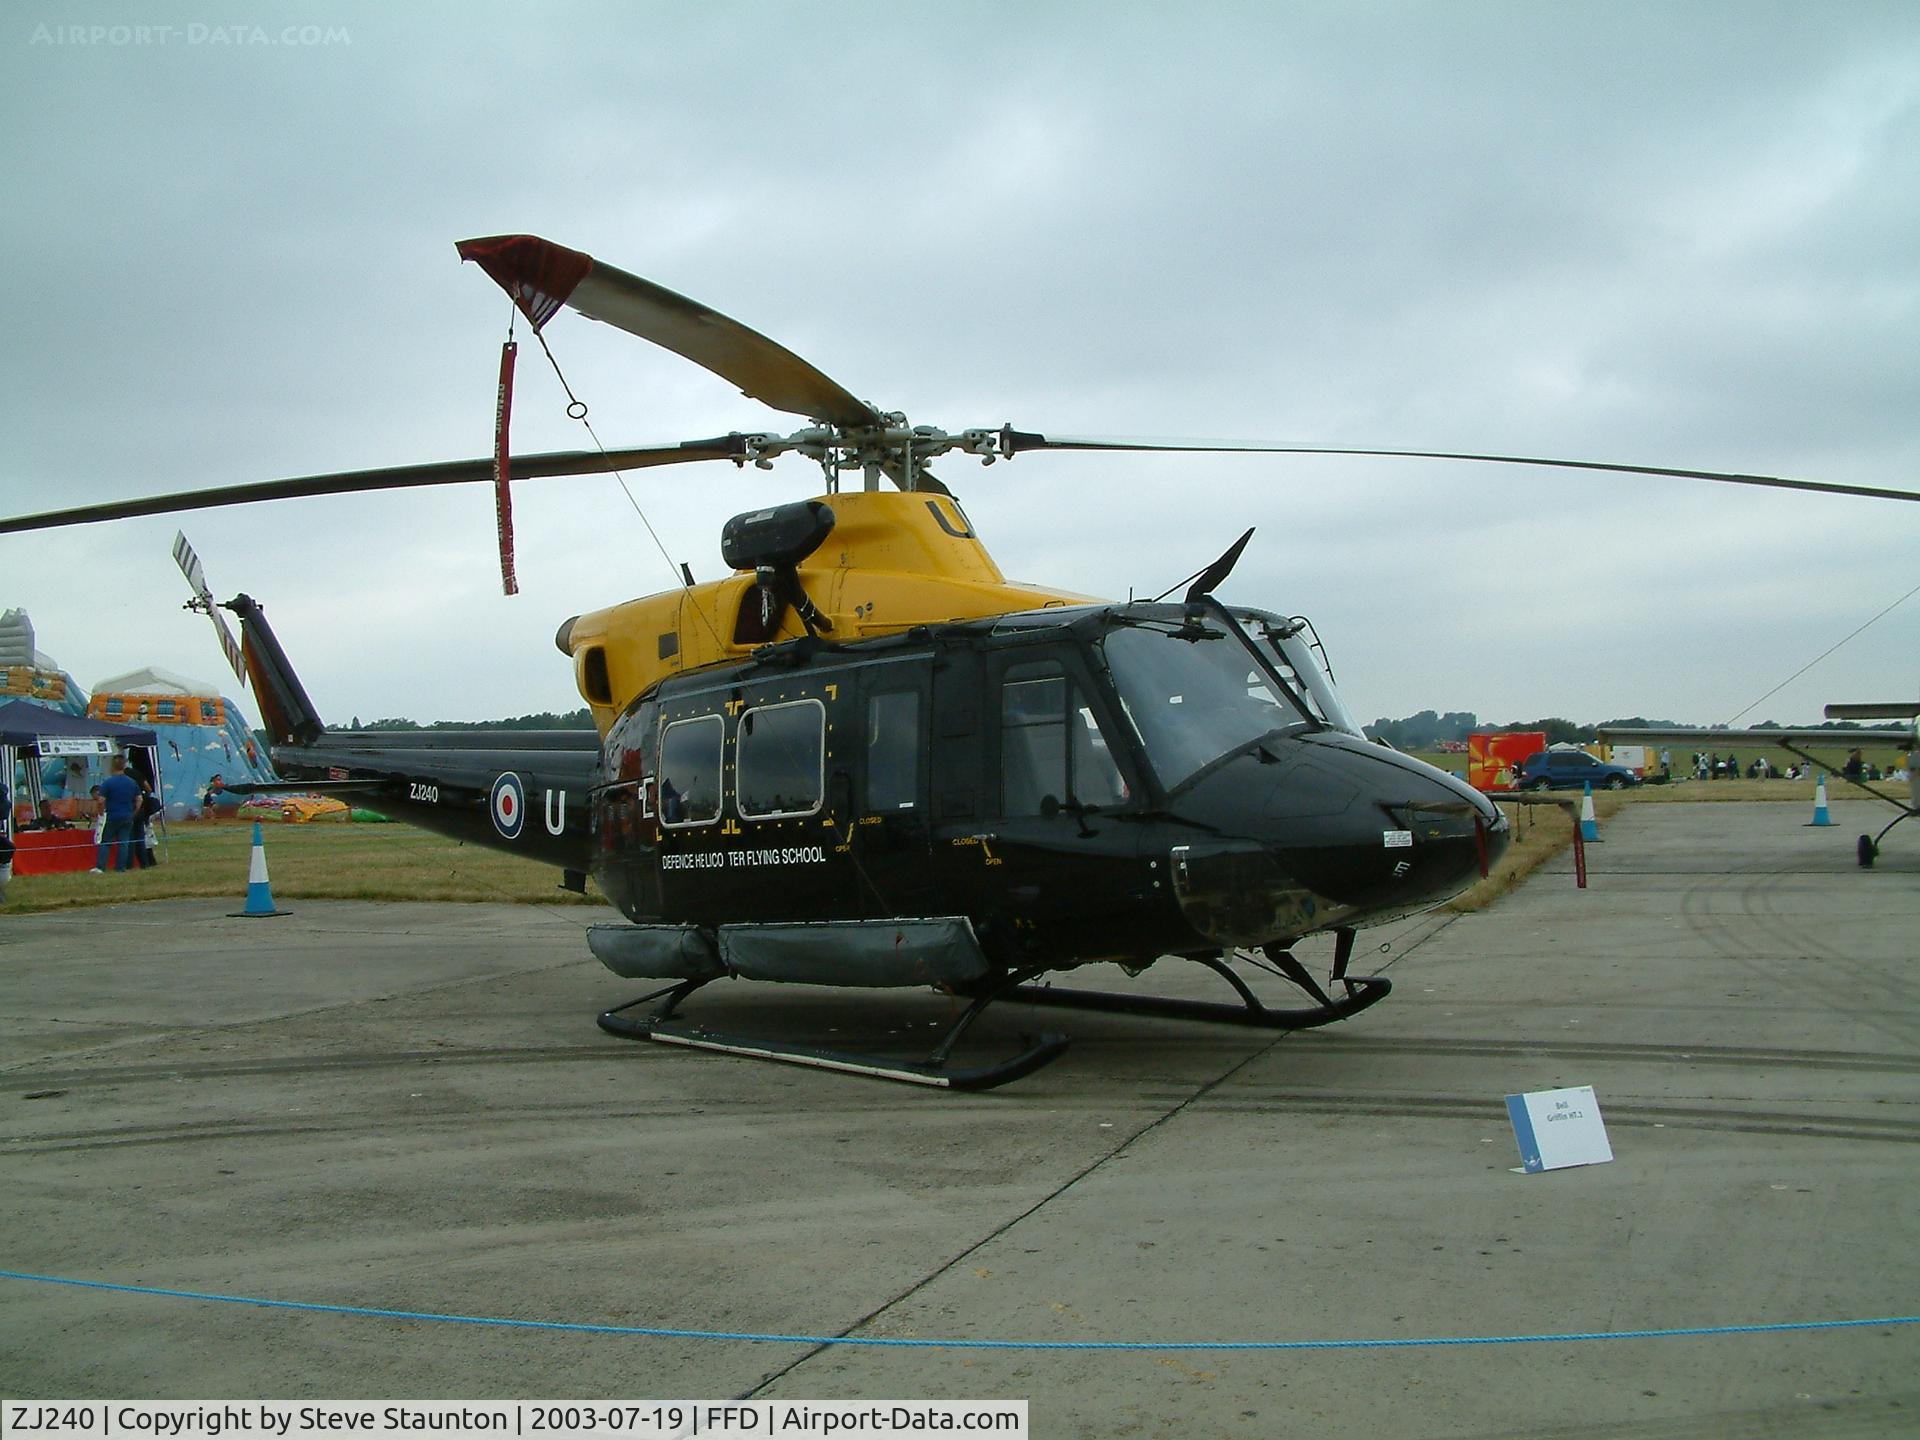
point(892, 561)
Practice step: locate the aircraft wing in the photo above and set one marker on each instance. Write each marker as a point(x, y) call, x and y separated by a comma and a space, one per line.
point(1790, 740)
point(1709, 736)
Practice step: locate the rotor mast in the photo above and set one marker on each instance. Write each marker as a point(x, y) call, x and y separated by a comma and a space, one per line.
point(891, 451)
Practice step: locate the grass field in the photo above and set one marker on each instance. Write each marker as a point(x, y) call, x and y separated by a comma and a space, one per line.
point(316, 862)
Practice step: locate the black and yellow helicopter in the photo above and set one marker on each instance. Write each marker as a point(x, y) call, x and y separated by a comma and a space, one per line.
point(865, 758)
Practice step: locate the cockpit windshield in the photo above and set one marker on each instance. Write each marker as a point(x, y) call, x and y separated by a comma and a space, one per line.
point(1194, 692)
point(1294, 650)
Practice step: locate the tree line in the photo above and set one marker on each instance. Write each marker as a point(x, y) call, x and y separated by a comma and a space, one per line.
point(1427, 729)
point(581, 719)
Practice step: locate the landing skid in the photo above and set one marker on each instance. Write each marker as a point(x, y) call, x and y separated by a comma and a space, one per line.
point(934, 1071)
point(1359, 991)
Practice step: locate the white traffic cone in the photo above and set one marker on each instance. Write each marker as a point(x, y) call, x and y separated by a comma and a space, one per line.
point(1589, 826)
point(1820, 815)
point(259, 893)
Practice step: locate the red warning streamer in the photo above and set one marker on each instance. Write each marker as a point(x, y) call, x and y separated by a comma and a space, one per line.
point(502, 499)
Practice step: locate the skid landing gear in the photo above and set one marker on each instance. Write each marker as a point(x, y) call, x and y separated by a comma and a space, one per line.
point(1358, 992)
point(935, 1071)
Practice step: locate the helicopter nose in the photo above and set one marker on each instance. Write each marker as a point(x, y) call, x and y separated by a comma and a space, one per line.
point(1344, 832)
point(1435, 834)
point(1457, 834)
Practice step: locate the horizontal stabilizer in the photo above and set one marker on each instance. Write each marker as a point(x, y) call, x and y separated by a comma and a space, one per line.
point(1875, 710)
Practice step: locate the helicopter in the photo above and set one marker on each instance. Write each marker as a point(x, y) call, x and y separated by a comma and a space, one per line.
point(866, 759)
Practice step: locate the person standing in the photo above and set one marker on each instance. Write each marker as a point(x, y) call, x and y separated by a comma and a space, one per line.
point(6, 836)
point(120, 793)
point(141, 841)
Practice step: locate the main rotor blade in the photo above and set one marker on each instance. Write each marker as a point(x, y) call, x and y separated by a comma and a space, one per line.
point(399, 477)
point(1013, 442)
point(542, 276)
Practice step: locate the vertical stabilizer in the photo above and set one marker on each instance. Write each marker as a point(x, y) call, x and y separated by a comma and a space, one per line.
point(285, 710)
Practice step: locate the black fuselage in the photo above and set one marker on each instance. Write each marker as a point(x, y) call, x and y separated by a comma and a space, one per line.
point(1105, 783)
point(998, 770)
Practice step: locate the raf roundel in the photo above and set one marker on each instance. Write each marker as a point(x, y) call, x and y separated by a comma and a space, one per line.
point(509, 804)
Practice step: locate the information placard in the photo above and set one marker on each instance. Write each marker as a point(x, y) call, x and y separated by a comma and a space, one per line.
point(1558, 1128)
point(51, 745)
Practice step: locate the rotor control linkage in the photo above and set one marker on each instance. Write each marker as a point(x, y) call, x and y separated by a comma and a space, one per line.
point(934, 1071)
point(894, 449)
point(1360, 992)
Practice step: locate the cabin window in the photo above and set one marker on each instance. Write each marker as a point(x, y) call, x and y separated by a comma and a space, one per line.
point(893, 751)
point(780, 765)
point(690, 754)
point(1051, 745)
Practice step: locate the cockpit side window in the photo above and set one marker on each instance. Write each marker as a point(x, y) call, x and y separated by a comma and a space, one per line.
point(1051, 746)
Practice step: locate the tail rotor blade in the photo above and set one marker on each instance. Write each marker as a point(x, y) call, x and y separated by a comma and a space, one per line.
point(232, 646)
point(189, 564)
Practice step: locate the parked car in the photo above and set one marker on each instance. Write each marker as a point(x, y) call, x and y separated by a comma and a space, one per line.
point(1570, 769)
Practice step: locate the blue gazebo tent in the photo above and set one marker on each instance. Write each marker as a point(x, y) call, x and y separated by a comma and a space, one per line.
point(32, 734)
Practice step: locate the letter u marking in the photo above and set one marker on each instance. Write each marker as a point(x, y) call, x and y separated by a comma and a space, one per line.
point(556, 821)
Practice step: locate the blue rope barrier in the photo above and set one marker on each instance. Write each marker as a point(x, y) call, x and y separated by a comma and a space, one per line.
point(653, 1332)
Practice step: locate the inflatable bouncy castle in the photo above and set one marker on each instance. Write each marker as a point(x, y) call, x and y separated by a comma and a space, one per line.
point(201, 734)
point(26, 674)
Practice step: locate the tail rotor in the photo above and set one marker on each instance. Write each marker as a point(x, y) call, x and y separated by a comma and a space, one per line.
point(202, 601)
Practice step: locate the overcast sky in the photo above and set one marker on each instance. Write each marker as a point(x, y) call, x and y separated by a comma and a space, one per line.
point(1664, 234)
